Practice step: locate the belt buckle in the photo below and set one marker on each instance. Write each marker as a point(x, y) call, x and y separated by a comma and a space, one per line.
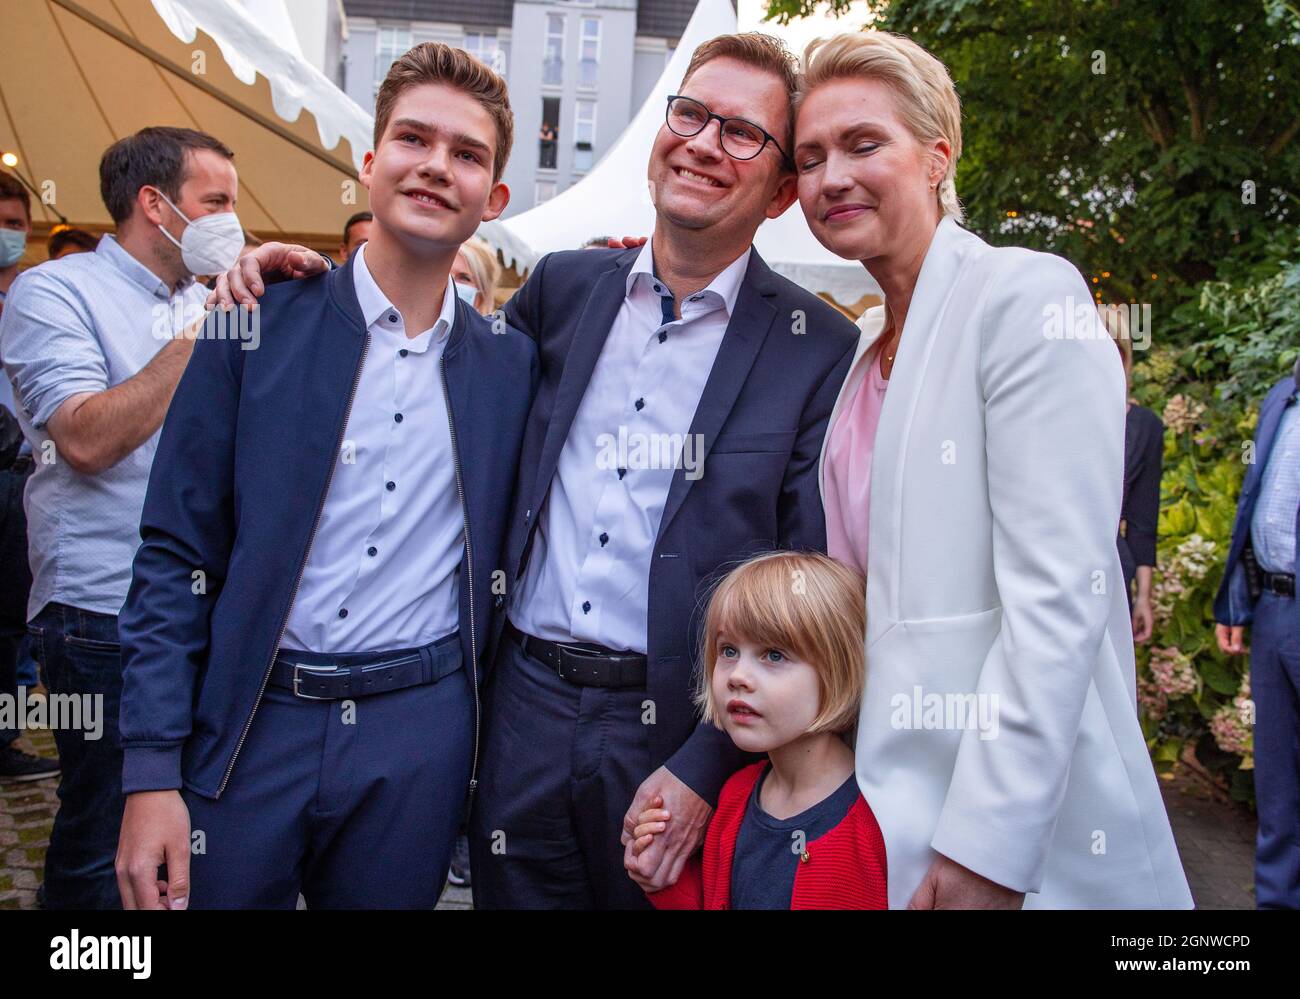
point(559, 659)
point(298, 679)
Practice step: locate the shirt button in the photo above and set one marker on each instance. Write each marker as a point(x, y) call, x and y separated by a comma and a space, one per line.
point(640, 404)
point(392, 317)
point(696, 298)
point(343, 612)
point(659, 290)
point(372, 551)
point(604, 539)
point(390, 486)
point(586, 607)
point(397, 417)
point(403, 352)
point(663, 335)
point(622, 472)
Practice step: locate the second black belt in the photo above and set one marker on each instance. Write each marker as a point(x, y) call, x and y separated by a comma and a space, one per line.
point(583, 663)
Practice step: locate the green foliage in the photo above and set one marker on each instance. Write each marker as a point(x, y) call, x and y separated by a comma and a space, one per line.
point(1143, 140)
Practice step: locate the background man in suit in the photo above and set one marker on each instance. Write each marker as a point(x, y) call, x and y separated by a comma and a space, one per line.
point(685, 390)
point(1258, 589)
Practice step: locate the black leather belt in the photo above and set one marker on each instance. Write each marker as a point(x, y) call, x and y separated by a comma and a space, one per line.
point(411, 668)
point(1281, 583)
point(583, 663)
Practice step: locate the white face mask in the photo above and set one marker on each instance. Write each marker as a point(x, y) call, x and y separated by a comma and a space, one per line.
point(467, 292)
point(210, 244)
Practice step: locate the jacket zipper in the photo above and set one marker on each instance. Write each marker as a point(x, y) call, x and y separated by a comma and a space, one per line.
point(356, 380)
point(469, 564)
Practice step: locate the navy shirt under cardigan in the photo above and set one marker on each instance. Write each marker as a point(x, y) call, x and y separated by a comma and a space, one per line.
point(242, 467)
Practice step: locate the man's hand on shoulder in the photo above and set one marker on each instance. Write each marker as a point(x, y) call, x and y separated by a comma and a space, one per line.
point(246, 282)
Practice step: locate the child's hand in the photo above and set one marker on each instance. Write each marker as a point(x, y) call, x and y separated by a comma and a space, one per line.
point(649, 823)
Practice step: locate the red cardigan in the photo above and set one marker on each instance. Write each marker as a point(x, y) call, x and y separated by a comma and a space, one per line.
point(845, 868)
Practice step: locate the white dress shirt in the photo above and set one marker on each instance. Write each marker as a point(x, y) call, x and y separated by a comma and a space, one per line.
point(589, 573)
point(383, 570)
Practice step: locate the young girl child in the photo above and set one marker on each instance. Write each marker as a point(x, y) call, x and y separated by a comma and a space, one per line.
point(783, 671)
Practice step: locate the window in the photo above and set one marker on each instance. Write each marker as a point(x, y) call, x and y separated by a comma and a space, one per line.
point(390, 45)
point(553, 60)
point(584, 135)
point(483, 47)
point(543, 190)
point(589, 52)
point(548, 137)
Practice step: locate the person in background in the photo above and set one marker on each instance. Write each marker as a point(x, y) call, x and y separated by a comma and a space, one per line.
point(66, 240)
point(600, 243)
point(15, 227)
point(1258, 589)
point(356, 230)
point(90, 343)
point(15, 468)
point(1144, 445)
point(476, 273)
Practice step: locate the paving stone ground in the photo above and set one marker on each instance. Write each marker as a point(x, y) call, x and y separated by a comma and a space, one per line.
point(1216, 839)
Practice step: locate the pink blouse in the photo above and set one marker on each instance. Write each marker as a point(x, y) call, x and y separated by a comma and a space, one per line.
point(848, 466)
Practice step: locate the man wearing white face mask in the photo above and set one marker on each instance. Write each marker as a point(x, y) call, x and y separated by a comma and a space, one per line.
point(90, 344)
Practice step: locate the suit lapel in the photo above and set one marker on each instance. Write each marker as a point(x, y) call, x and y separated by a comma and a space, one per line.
point(741, 342)
point(940, 271)
point(589, 338)
point(1269, 420)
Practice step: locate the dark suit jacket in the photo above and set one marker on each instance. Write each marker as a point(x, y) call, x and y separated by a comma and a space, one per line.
point(1232, 604)
point(241, 474)
point(762, 417)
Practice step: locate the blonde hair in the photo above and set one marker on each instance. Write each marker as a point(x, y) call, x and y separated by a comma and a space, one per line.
point(808, 606)
point(927, 99)
point(1115, 319)
point(434, 62)
point(482, 263)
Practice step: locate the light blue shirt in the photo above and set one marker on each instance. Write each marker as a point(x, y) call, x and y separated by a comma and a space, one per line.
point(1272, 528)
point(588, 578)
point(84, 324)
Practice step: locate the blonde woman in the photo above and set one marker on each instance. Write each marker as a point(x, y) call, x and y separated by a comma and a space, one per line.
point(476, 273)
point(973, 469)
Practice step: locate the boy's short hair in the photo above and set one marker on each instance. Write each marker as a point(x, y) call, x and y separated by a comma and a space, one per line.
point(434, 62)
point(759, 51)
point(807, 605)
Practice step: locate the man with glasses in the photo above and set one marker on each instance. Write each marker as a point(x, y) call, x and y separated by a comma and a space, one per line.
point(685, 390)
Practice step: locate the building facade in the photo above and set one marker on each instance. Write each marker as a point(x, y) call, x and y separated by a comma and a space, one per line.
point(577, 69)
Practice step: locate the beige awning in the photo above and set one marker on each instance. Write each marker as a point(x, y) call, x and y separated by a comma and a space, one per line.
point(76, 75)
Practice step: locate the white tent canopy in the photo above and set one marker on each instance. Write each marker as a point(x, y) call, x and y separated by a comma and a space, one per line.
point(614, 197)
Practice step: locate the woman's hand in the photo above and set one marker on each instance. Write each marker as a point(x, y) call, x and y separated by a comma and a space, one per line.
point(1143, 620)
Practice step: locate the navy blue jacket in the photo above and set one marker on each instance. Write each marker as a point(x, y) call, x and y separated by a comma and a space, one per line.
point(1232, 604)
point(243, 465)
point(761, 418)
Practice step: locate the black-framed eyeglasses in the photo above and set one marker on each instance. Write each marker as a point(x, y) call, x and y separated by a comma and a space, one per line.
point(741, 138)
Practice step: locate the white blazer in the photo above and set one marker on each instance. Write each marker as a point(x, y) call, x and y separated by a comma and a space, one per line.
point(999, 722)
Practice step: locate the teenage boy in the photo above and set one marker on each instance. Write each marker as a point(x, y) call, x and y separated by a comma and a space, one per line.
point(304, 634)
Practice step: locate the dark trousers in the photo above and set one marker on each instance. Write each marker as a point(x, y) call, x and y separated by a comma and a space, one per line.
point(1275, 688)
point(355, 804)
point(79, 655)
point(15, 584)
point(560, 766)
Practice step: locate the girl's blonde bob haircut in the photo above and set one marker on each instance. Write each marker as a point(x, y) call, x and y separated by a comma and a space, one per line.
point(927, 101)
point(807, 605)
